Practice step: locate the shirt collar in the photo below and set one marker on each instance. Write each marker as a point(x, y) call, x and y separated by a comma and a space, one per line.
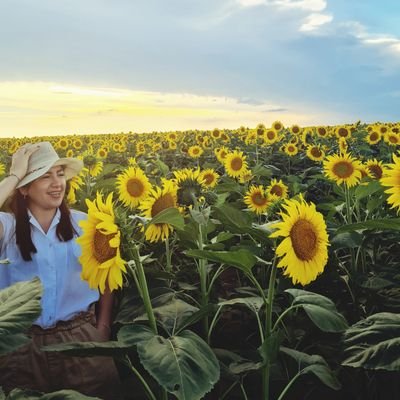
point(54, 222)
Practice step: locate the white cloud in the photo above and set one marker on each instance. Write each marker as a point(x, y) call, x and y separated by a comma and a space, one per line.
point(308, 5)
point(315, 21)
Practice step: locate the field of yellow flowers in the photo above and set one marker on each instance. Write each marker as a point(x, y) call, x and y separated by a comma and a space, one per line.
point(248, 264)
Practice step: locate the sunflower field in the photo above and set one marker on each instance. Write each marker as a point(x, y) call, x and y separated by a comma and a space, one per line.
point(247, 264)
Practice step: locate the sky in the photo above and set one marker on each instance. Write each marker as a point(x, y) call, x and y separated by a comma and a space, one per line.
point(109, 66)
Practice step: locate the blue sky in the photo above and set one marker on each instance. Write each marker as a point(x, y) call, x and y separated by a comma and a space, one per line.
point(124, 65)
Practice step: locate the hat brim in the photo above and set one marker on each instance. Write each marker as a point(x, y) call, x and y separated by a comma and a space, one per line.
point(72, 167)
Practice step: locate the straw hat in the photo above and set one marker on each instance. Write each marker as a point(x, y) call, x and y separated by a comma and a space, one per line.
point(45, 158)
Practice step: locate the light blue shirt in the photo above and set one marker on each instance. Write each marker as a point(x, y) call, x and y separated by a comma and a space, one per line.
point(56, 264)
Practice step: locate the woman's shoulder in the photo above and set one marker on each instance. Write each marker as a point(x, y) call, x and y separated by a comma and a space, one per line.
point(6, 218)
point(77, 215)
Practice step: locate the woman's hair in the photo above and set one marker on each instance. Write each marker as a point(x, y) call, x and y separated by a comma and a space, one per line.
point(65, 231)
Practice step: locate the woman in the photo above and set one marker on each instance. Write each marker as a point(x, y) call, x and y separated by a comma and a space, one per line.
point(38, 238)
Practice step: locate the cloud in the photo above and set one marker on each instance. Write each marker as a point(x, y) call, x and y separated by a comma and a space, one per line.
point(315, 21)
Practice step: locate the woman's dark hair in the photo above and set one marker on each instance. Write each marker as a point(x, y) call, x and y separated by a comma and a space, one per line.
point(64, 230)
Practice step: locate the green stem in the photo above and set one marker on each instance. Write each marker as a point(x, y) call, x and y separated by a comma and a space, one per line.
point(141, 279)
point(287, 387)
point(280, 318)
point(149, 392)
point(203, 283)
point(168, 255)
point(268, 327)
point(349, 221)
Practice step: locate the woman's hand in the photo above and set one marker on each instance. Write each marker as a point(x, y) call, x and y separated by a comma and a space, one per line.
point(20, 159)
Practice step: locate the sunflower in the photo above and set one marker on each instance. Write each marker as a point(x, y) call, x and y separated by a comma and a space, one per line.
point(221, 153)
point(304, 249)
point(278, 189)
point(295, 129)
point(315, 153)
point(62, 144)
point(375, 168)
point(102, 265)
point(373, 137)
point(391, 138)
point(257, 199)
point(271, 136)
point(216, 133)
point(190, 184)
point(290, 149)
point(172, 136)
point(73, 185)
point(209, 178)
point(133, 186)
point(102, 152)
point(69, 153)
point(277, 126)
point(159, 200)
point(195, 151)
point(322, 131)
point(343, 169)
point(342, 132)
point(391, 179)
point(77, 143)
point(343, 145)
point(235, 164)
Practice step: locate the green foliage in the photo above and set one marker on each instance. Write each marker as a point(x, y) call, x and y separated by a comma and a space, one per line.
point(373, 343)
point(321, 310)
point(19, 307)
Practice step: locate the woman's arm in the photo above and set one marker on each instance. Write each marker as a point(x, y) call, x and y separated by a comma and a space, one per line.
point(104, 313)
point(18, 169)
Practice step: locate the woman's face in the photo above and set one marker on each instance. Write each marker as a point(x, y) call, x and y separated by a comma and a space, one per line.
point(46, 192)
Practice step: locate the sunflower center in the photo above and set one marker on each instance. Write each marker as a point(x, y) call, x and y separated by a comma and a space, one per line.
point(373, 136)
point(135, 187)
point(258, 199)
point(343, 132)
point(276, 190)
point(271, 135)
point(316, 152)
point(343, 169)
point(162, 203)
point(101, 247)
point(322, 131)
point(392, 139)
point(304, 239)
point(278, 127)
point(236, 163)
point(375, 170)
point(208, 178)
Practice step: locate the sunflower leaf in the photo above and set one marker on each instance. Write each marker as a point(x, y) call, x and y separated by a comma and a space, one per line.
point(314, 364)
point(242, 259)
point(382, 224)
point(374, 343)
point(19, 306)
point(170, 216)
point(321, 310)
point(183, 364)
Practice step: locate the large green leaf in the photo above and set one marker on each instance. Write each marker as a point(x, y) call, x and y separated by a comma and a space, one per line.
point(382, 224)
point(313, 364)
point(174, 314)
point(253, 303)
point(242, 259)
point(238, 221)
point(321, 310)
point(26, 394)
point(184, 365)
point(374, 343)
point(367, 190)
point(170, 216)
point(19, 306)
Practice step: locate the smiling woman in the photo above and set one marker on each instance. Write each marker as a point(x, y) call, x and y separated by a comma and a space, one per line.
point(38, 237)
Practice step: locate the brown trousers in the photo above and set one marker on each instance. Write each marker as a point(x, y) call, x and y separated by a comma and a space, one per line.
point(31, 368)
